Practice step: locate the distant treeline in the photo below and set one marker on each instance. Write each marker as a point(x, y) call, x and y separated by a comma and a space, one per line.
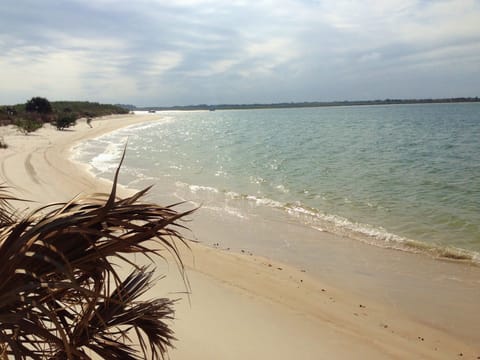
point(89, 109)
point(306, 104)
point(56, 109)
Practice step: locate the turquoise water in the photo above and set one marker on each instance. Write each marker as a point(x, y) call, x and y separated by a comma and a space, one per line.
point(398, 175)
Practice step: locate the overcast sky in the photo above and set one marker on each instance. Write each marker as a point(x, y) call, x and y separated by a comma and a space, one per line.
point(154, 52)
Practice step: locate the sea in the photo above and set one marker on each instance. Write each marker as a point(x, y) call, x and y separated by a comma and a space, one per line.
point(405, 176)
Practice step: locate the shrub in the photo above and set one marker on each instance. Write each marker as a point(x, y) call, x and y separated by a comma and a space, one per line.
point(65, 121)
point(27, 125)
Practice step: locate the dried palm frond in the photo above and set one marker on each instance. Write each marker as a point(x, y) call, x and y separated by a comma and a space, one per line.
point(7, 212)
point(60, 296)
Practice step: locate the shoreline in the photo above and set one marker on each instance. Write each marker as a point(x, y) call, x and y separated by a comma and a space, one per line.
point(321, 305)
point(247, 205)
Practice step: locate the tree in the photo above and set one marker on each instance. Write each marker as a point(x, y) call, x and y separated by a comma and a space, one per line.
point(39, 105)
point(60, 295)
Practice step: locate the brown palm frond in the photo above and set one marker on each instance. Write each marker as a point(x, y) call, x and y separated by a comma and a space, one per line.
point(120, 311)
point(7, 212)
point(57, 275)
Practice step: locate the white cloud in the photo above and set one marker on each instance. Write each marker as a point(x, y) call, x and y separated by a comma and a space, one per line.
point(370, 57)
point(162, 61)
point(443, 21)
point(56, 72)
point(92, 43)
point(294, 49)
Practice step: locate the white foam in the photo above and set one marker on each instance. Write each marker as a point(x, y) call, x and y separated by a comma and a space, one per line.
point(109, 159)
point(221, 173)
point(264, 201)
point(78, 152)
point(257, 180)
point(228, 210)
point(282, 189)
point(196, 188)
point(232, 195)
point(343, 224)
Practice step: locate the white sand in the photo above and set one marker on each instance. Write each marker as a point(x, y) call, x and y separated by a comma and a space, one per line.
point(241, 306)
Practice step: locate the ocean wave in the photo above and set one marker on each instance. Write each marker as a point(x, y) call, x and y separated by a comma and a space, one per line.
point(194, 189)
point(262, 201)
point(257, 200)
point(335, 224)
point(339, 224)
point(282, 189)
point(377, 236)
point(109, 159)
point(228, 210)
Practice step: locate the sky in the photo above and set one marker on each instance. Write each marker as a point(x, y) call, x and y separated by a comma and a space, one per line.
point(182, 52)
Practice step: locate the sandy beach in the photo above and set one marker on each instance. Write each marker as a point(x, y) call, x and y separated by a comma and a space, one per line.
point(361, 302)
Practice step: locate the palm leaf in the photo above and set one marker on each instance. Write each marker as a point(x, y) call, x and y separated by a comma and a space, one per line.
point(7, 212)
point(60, 295)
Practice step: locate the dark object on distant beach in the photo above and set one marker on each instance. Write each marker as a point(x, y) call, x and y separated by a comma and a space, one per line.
point(89, 122)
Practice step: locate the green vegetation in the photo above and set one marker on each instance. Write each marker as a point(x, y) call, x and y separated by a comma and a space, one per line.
point(62, 294)
point(61, 114)
point(38, 105)
point(87, 109)
point(307, 104)
point(27, 125)
point(65, 121)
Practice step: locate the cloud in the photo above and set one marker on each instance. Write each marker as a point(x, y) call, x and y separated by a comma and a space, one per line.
point(161, 62)
point(189, 51)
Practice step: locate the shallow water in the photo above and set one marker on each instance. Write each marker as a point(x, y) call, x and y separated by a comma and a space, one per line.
point(403, 176)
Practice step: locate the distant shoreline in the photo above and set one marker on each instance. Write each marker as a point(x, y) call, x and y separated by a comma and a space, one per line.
point(307, 104)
